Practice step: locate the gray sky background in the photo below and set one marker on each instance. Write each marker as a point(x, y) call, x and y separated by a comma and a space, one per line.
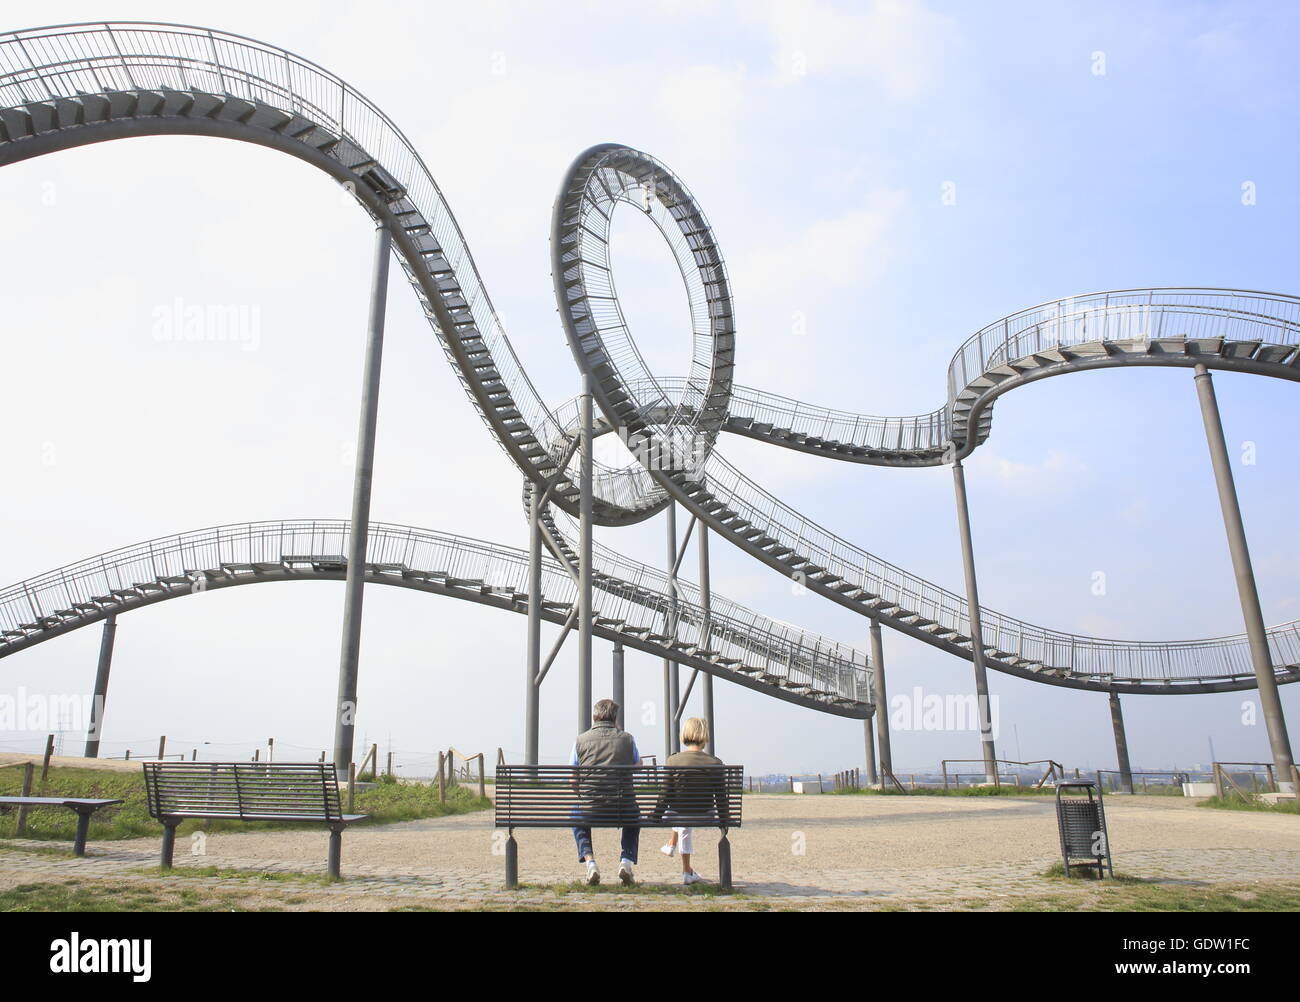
point(818, 138)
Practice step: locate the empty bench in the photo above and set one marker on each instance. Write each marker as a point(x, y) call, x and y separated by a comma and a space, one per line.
point(246, 791)
point(618, 796)
point(84, 807)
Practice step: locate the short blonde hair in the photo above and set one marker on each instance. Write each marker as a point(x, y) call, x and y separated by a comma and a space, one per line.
point(695, 731)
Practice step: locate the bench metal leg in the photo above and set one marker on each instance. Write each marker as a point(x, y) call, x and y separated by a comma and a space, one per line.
point(336, 851)
point(83, 826)
point(512, 863)
point(168, 844)
point(724, 862)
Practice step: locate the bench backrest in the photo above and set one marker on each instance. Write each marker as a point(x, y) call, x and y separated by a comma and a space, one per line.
point(560, 796)
point(305, 790)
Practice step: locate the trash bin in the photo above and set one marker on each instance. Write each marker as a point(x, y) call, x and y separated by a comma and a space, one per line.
point(1081, 818)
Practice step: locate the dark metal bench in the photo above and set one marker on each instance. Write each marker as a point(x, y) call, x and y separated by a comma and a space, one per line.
point(84, 807)
point(562, 796)
point(246, 791)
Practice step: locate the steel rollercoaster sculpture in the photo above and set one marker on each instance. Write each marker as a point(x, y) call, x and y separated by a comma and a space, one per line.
point(73, 85)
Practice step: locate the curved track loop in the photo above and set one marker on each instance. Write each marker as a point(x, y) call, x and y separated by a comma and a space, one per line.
point(741, 646)
point(73, 85)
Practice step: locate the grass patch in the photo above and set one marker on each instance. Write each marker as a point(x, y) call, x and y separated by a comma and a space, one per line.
point(1249, 803)
point(1132, 894)
point(1127, 893)
point(230, 873)
point(387, 803)
point(42, 850)
point(122, 896)
point(1057, 872)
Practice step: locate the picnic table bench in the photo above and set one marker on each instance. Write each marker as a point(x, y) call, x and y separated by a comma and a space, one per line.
point(84, 806)
point(246, 791)
point(618, 796)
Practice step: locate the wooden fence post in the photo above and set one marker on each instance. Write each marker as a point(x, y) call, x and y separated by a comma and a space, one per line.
point(442, 781)
point(28, 770)
point(49, 751)
point(482, 778)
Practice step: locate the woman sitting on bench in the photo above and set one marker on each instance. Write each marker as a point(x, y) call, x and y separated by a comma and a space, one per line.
point(688, 794)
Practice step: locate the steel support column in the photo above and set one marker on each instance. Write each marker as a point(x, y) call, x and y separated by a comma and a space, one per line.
point(976, 627)
point(672, 678)
point(869, 741)
point(584, 560)
point(880, 696)
point(1256, 633)
point(706, 606)
point(618, 686)
point(1121, 744)
point(349, 658)
point(100, 698)
point(532, 685)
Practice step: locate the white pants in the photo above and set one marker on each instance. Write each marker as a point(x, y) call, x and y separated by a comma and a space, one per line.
point(684, 842)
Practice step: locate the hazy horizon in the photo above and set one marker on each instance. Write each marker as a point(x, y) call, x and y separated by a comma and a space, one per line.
point(884, 179)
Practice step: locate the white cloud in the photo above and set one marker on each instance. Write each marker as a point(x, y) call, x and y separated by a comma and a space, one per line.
point(898, 44)
point(1057, 470)
point(849, 250)
point(703, 104)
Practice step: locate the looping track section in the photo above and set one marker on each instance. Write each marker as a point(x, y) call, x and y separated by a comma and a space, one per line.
point(73, 85)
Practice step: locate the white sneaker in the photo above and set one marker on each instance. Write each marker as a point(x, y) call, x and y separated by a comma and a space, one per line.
point(669, 850)
point(693, 878)
point(625, 872)
point(593, 872)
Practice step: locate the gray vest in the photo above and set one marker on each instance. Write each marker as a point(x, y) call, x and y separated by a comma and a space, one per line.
point(604, 744)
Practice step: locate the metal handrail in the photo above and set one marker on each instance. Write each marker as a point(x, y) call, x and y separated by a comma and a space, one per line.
point(44, 65)
point(184, 560)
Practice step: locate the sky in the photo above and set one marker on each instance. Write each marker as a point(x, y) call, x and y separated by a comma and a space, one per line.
point(884, 179)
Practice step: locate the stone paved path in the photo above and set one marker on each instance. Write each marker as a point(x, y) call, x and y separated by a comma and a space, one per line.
point(796, 851)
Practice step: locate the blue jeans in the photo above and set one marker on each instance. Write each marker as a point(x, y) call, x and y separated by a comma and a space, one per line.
point(631, 842)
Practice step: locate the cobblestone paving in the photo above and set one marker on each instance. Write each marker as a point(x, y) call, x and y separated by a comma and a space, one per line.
point(801, 852)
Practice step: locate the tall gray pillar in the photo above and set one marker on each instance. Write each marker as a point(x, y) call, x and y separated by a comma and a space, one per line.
point(667, 716)
point(880, 696)
point(870, 743)
point(1256, 634)
point(672, 675)
point(706, 607)
point(1121, 744)
point(100, 698)
point(349, 658)
point(618, 686)
point(976, 627)
point(584, 562)
point(532, 692)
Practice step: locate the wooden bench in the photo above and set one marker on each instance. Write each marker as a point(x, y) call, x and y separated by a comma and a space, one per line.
point(562, 796)
point(246, 791)
point(84, 807)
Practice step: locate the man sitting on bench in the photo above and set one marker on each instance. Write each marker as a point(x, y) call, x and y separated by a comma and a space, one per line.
point(609, 796)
